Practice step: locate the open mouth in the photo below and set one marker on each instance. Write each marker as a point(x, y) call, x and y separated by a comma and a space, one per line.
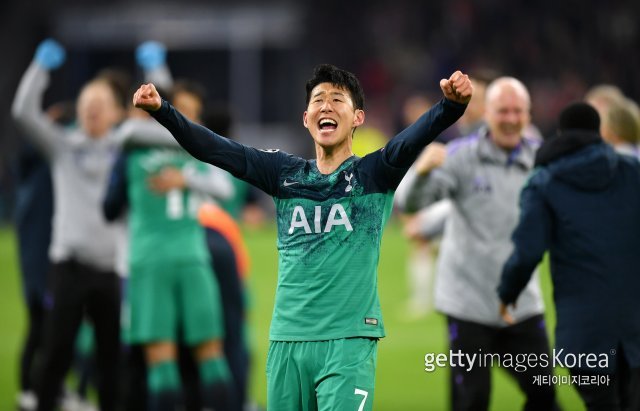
point(327, 124)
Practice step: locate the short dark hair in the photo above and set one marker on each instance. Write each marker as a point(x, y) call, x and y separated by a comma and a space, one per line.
point(328, 73)
point(579, 116)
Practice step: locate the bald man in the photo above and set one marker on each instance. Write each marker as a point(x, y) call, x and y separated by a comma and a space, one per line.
point(482, 174)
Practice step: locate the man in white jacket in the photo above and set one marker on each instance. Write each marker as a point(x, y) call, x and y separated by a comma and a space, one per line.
point(83, 244)
point(482, 175)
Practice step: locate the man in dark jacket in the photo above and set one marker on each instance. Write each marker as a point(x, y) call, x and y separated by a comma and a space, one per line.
point(582, 203)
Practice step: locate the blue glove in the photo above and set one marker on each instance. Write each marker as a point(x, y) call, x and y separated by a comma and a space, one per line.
point(151, 55)
point(50, 54)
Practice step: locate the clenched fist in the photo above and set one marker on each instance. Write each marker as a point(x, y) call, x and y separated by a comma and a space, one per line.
point(457, 88)
point(147, 98)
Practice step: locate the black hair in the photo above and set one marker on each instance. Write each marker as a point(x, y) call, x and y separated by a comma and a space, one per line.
point(579, 116)
point(327, 73)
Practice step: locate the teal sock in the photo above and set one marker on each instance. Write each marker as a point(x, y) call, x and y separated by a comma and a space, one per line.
point(163, 381)
point(215, 378)
point(214, 370)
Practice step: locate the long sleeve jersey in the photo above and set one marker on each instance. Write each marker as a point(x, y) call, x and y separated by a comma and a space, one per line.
point(329, 225)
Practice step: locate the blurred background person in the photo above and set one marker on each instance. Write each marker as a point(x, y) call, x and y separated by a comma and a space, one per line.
point(83, 245)
point(582, 204)
point(150, 177)
point(602, 96)
point(619, 118)
point(473, 119)
point(621, 127)
point(196, 378)
point(33, 215)
point(190, 98)
point(424, 228)
point(420, 264)
point(229, 259)
point(482, 175)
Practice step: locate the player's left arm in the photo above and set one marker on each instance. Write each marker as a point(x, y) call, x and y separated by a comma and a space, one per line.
point(399, 153)
point(258, 167)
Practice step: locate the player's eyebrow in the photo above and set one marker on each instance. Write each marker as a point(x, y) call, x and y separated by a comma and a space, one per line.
point(322, 92)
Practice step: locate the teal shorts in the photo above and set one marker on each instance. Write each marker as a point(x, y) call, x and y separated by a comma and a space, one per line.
point(336, 375)
point(173, 302)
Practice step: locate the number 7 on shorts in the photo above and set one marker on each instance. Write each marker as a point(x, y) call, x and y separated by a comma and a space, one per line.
point(364, 394)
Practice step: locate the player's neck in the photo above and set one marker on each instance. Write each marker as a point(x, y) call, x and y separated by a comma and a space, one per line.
point(328, 160)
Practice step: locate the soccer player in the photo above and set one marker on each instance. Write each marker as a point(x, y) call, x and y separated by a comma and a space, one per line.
point(171, 286)
point(189, 98)
point(172, 294)
point(330, 216)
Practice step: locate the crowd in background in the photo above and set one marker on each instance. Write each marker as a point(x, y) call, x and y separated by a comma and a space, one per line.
point(558, 49)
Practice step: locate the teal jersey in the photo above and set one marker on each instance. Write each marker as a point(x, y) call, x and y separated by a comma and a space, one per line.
point(163, 227)
point(329, 233)
point(329, 226)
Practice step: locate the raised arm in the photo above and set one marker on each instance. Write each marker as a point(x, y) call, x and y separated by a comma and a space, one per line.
point(200, 142)
point(404, 148)
point(27, 104)
point(257, 167)
point(391, 163)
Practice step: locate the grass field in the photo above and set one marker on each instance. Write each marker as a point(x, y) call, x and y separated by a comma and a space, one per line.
point(401, 382)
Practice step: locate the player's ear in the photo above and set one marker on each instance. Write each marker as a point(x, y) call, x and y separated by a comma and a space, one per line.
point(358, 119)
point(304, 119)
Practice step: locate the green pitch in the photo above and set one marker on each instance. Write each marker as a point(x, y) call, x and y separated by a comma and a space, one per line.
point(401, 382)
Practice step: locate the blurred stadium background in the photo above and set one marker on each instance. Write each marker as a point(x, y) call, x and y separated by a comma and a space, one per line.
point(401, 382)
point(257, 55)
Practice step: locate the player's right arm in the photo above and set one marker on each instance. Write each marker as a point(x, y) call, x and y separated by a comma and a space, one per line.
point(257, 167)
point(27, 110)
